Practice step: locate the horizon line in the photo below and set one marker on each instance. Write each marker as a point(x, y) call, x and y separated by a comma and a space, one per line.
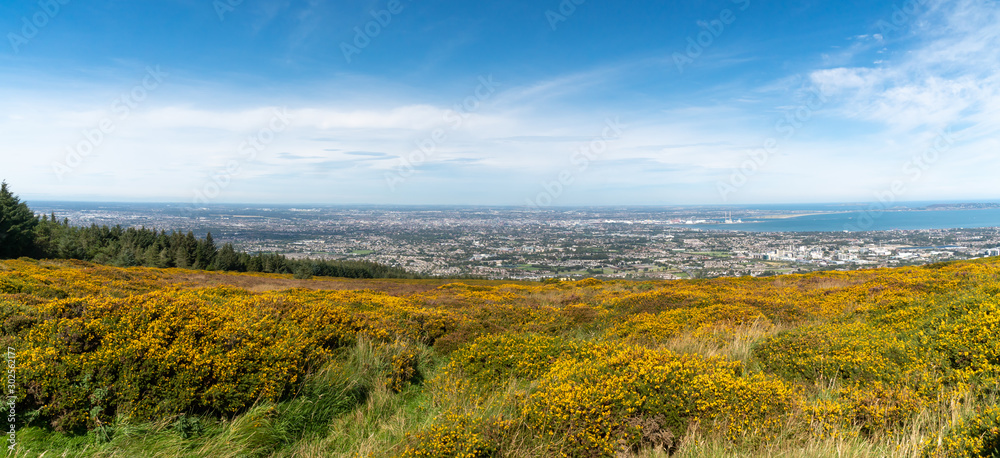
point(518, 206)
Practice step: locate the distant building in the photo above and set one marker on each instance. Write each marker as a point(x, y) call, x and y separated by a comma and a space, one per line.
point(993, 252)
point(847, 257)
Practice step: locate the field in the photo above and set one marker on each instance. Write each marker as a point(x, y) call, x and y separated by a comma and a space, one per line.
point(122, 362)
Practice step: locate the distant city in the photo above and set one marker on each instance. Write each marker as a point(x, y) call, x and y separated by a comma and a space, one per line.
point(571, 243)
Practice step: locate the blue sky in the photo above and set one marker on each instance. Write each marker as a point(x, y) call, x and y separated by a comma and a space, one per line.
point(572, 102)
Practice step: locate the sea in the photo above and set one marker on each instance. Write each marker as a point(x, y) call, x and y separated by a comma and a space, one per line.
point(834, 217)
point(840, 218)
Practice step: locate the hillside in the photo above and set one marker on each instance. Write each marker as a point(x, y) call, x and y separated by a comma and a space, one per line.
point(171, 362)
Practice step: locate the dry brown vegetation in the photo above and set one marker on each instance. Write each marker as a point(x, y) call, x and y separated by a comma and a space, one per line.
point(277, 282)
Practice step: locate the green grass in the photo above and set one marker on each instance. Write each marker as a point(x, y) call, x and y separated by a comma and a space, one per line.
point(344, 409)
point(356, 403)
point(347, 409)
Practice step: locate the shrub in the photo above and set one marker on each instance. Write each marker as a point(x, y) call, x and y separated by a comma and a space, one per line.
point(494, 359)
point(844, 351)
point(217, 350)
point(978, 435)
point(611, 398)
point(873, 410)
point(458, 436)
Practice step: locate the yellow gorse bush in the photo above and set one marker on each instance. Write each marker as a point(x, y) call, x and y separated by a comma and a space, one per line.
point(846, 352)
point(169, 351)
point(596, 400)
point(978, 435)
point(161, 349)
point(597, 397)
point(458, 436)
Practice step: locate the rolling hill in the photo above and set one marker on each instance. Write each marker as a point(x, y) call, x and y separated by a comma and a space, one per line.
point(169, 362)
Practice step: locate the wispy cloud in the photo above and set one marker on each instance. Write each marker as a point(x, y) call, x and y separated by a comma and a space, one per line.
point(888, 98)
point(950, 77)
point(369, 154)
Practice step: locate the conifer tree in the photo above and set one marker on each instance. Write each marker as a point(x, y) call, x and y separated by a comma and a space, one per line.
point(205, 252)
point(17, 225)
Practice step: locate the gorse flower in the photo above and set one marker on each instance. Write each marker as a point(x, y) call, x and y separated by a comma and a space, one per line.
point(590, 368)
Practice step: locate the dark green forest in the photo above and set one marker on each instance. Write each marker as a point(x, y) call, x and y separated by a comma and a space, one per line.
point(22, 233)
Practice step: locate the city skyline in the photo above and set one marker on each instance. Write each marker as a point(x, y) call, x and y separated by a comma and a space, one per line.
point(519, 244)
point(546, 104)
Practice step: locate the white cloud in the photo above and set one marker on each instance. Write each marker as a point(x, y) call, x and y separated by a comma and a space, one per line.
point(878, 117)
point(948, 78)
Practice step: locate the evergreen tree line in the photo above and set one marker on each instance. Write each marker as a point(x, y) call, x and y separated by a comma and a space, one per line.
point(22, 233)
